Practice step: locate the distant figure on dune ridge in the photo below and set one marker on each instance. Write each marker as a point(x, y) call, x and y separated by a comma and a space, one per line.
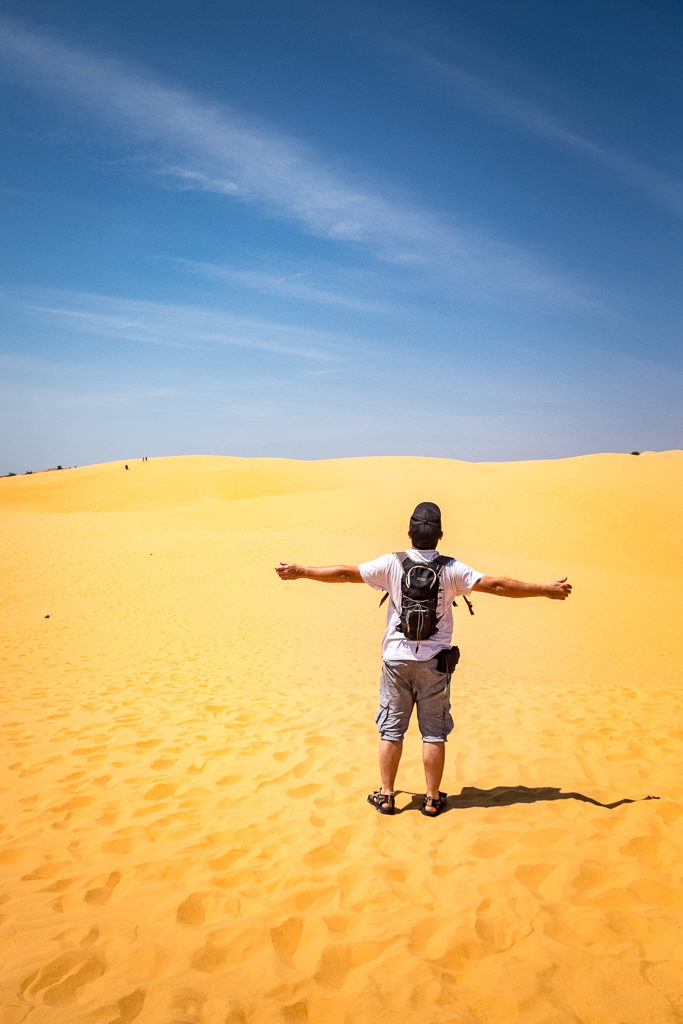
point(417, 657)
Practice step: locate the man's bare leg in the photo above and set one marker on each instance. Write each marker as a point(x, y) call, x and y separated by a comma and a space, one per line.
point(389, 757)
point(433, 759)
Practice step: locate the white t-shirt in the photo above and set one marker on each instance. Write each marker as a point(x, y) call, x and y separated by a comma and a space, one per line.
point(385, 572)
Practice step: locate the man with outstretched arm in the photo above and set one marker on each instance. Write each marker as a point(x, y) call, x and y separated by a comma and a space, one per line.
point(411, 675)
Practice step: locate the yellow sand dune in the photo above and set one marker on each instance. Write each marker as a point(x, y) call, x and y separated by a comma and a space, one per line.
point(188, 744)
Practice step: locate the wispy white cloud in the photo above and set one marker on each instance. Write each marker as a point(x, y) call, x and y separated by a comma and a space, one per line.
point(200, 145)
point(214, 148)
point(294, 286)
point(197, 182)
point(181, 326)
point(535, 120)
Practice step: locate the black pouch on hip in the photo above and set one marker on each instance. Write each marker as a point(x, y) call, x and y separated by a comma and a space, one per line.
point(447, 659)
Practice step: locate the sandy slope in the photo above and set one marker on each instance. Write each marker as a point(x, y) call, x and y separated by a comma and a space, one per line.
point(188, 744)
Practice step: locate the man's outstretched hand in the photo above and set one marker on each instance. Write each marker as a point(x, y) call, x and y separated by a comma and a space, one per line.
point(321, 573)
point(559, 590)
point(289, 571)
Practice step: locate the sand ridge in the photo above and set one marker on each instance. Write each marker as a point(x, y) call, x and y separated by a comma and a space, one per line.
point(188, 744)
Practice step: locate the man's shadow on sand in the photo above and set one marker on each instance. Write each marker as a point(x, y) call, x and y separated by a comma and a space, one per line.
point(504, 796)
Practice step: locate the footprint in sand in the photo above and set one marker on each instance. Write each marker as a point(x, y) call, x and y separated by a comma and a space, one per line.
point(108, 817)
point(322, 856)
point(339, 840)
point(303, 792)
point(189, 1006)
point(59, 982)
point(210, 958)
point(641, 847)
point(14, 854)
point(543, 838)
point(228, 947)
point(316, 741)
point(300, 769)
point(285, 939)
point(296, 1013)
point(491, 848)
point(161, 791)
point(61, 885)
point(226, 860)
point(101, 894)
point(304, 898)
point(229, 780)
point(130, 1007)
point(75, 803)
point(338, 959)
point(498, 925)
point(215, 709)
point(48, 870)
point(123, 843)
point(533, 875)
point(430, 939)
point(191, 911)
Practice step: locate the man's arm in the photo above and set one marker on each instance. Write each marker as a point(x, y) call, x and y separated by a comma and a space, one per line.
point(556, 590)
point(323, 573)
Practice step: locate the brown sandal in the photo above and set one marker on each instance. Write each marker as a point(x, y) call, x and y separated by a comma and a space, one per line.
point(438, 803)
point(383, 802)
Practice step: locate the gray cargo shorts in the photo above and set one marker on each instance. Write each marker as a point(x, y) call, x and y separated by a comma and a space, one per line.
point(403, 685)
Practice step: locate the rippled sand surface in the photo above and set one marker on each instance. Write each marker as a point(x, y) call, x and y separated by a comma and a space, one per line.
point(187, 746)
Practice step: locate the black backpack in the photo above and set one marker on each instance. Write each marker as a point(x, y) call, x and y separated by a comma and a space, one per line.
point(419, 596)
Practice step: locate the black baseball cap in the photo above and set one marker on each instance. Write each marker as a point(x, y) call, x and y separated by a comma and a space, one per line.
point(425, 525)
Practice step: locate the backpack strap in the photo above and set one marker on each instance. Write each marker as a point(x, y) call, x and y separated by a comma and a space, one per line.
point(470, 606)
point(402, 556)
point(407, 562)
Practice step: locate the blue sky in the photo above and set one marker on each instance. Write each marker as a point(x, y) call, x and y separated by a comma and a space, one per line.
point(315, 230)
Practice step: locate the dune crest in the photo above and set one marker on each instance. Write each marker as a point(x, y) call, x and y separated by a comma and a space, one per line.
point(189, 743)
